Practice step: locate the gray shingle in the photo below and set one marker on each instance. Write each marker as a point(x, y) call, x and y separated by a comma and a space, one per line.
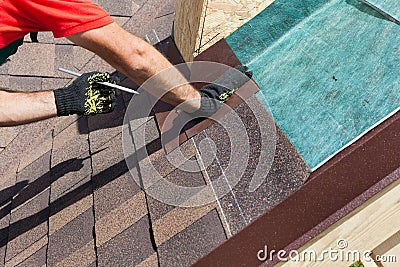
point(33, 59)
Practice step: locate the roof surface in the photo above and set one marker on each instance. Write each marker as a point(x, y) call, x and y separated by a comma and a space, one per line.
point(67, 196)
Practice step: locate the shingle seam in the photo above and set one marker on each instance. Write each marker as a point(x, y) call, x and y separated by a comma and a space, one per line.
point(93, 203)
point(48, 217)
point(84, 65)
point(230, 187)
point(9, 221)
point(151, 230)
point(223, 217)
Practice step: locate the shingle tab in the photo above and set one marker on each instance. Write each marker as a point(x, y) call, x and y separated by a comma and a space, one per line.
point(25, 84)
point(128, 248)
point(121, 8)
point(28, 224)
point(72, 237)
point(28, 62)
point(37, 259)
point(7, 134)
point(194, 242)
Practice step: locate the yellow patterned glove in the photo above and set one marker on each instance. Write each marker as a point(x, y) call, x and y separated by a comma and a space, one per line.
point(85, 96)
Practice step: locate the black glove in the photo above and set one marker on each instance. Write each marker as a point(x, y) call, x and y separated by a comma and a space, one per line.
point(213, 95)
point(85, 96)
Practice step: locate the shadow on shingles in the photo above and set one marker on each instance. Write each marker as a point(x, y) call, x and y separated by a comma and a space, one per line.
point(97, 181)
point(7, 194)
point(366, 9)
point(36, 187)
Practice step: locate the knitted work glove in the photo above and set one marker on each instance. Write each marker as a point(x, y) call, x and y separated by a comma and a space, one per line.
point(85, 96)
point(213, 95)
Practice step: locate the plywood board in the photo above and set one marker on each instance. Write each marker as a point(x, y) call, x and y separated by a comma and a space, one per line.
point(188, 18)
point(223, 17)
point(364, 229)
point(201, 23)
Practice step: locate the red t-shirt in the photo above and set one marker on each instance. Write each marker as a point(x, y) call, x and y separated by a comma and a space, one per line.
point(62, 17)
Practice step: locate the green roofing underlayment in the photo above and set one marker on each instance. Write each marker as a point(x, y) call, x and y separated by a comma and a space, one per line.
point(329, 69)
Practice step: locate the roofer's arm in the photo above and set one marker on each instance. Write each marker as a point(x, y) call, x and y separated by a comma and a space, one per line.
point(20, 108)
point(139, 61)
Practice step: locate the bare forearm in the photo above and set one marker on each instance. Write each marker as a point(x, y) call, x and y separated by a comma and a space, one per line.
point(139, 61)
point(20, 108)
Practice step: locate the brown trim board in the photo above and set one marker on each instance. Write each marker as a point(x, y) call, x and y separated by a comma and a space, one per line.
point(334, 190)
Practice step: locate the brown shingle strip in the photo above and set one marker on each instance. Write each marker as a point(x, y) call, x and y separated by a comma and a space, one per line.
point(8, 189)
point(180, 178)
point(68, 175)
point(177, 220)
point(36, 259)
point(25, 84)
point(26, 62)
point(69, 143)
point(63, 123)
point(30, 136)
point(71, 163)
point(72, 237)
point(35, 248)
point(334, 185)
point(28, 224)
point(36, 152)
point(120, 218)
point(151, 156)
point(82, 257)
point(81, 57)
point(113, 194)
point(145, 19)
point(129, 248)
point(195, 241)
point(120, 8)
point(69, 213)
point(30, 207)
point(151, 261)
point(63, 58)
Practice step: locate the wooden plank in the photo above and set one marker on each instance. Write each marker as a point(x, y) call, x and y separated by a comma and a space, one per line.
point(364, 229)
point(223, 17)
point(390, 247)
point(188, 18)
point(201, 23)
point(395, 251)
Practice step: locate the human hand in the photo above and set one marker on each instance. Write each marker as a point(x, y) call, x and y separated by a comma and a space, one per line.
point(85, 96)
point(214, 94)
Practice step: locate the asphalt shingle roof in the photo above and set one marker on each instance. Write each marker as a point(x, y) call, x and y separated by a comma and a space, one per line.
point(67, 196)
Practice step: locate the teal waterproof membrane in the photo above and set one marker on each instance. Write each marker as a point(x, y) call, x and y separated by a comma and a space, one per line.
point(389, 8)
point(329, 70)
